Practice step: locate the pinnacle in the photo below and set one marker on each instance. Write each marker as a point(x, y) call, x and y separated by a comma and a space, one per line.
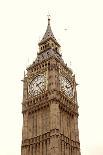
point(48, 34)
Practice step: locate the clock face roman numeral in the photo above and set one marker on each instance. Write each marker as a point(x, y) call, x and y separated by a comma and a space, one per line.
point(65, 86)
point(37, 85)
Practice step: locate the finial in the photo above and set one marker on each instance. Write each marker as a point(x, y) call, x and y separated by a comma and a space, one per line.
point(48, 19)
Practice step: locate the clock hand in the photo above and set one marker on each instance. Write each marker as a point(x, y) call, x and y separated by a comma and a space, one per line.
point(39, 86)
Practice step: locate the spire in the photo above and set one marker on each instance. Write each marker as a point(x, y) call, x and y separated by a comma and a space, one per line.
point(48, 34)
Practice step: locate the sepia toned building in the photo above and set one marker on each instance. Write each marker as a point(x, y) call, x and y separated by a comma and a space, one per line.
point(49, 107)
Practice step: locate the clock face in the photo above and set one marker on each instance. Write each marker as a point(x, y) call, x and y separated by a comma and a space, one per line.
point(66, 86)
point(37, 85)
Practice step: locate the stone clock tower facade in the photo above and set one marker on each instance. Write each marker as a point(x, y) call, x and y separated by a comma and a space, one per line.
point(49, 107)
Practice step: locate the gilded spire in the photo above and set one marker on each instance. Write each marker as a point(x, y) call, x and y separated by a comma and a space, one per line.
point(48, 34)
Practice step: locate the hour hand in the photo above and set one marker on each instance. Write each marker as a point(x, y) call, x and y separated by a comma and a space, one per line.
point(38, 83)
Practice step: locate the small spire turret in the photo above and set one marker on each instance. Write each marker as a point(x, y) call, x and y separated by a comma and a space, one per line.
point(48, 34)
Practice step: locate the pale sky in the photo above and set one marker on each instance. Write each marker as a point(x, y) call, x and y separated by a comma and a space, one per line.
point(22, 25)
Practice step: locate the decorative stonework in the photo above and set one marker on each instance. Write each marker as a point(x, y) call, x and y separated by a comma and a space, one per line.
point(50, 115)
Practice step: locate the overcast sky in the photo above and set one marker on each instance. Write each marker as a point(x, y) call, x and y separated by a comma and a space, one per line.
point(78, 27)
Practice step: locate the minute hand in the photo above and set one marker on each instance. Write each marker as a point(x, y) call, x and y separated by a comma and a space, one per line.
point(39, 86)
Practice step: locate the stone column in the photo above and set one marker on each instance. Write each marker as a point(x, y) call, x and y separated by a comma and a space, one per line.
point(48, 146)
point(76, 129)
point(78, 152)
point(70, 150)
point(62, 147)
point(67, 149)
point(35, 124)
point(27, 150)
point(22, 151)
point(44, 148)
point(61, 122)
point(30, 126)
point(25, 126)
point(31, 150)
point(75, 151)
point(34, 149)
point(38, 129)
point(41, 148)
point(54, 116)
point(55, 128)
point(52, 145)
point(69, 127)
point(37, 150)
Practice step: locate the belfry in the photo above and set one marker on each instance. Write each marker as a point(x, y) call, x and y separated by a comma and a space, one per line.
point(49, 106)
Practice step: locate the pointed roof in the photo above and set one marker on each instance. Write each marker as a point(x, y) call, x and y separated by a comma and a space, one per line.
point(48, 34)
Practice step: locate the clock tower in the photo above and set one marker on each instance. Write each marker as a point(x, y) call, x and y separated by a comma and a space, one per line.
point(49, 107)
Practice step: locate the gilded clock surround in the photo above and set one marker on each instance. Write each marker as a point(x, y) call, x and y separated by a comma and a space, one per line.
point(37, 85)
point(50, 117)
point(66, 86)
